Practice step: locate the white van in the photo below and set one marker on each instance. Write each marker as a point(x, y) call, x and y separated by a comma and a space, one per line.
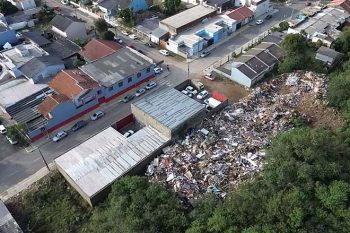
point(2, 129)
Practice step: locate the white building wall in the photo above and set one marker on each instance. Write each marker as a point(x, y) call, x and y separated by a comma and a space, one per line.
point(58, 31)
point(238, 77)
point(172, 46)
point(261, 9)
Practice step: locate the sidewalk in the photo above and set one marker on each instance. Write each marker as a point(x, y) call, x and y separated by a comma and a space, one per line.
point(26, 183)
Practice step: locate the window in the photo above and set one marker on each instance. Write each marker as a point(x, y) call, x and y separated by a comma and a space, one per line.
point(148, 69)
point(98, 92)
point(120, 84)
point(129, 79)
point(138, 75)
point(110, 88)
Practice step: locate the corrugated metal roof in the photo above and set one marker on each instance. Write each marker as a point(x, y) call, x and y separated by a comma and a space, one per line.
point(169, 107)
point(102, 159)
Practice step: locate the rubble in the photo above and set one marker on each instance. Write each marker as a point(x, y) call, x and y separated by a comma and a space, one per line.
point(228, 148)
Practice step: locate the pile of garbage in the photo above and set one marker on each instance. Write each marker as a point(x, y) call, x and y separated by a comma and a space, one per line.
point(229, 147)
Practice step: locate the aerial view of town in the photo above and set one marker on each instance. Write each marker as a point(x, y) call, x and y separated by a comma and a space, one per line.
point(174, 116)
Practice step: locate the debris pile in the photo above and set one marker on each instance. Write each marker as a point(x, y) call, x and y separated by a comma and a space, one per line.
point(228, 148)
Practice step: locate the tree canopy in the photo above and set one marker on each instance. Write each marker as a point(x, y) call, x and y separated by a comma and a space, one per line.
point(134, 205)
point(304, 188)
point(343, 42)
point(101, 26)
point(172, 6)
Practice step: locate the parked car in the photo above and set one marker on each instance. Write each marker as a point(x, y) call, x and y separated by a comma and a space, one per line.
point(12, 141)
point(189, 94)
point(205, 53)
point(164, 52)
point(149, 45)
point(125, 33)
point(129, 133)
point(206, 101)
point(3, 130)
point(191, 90)
point(158, 70)
point(80, 124)
point(268, 17)
point(59, 136)
point(97, 115)
point(140, 92)
point(259, 21)
point(199, 85)
point(151, 85)
point(65, 2)
point(56, 8)
point(118, 40)
point(127, 98)
point(202, 95)
point(133, 36)
point(131, 46)
point(210, 77)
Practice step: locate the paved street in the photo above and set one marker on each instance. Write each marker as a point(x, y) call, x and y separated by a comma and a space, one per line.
point(21, 164)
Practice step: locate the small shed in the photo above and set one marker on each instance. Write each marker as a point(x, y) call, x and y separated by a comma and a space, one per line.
point(328, 55)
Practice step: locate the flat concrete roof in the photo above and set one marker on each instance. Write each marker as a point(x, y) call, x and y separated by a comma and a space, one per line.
point(183, 18)
point(115, 67)
point(7, 222)
point(19, 91)
point(99, 161)
point(169, 107)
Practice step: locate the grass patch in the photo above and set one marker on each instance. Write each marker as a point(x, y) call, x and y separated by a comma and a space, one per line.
point(51, 205)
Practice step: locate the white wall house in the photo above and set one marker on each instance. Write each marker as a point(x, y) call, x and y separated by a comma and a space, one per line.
point(260, 7)
point(69, 27)
point(23, 4)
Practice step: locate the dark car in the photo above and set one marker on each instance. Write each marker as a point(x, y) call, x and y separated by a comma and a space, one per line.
point(127, 98)
point(79, 125)
point(149, 45)
point(268, 17)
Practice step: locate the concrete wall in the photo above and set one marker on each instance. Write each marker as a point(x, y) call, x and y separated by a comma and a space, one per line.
point(59, 32)
point(76, 30)
point(239, 77)
point(146, 119)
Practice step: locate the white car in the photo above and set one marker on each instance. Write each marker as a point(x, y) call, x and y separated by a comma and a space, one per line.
point(132, 36)
point(59, 136)
point(191, 90)
point(158, 70)
point(202, 95)
point(189, 94)
point(125, 33)
point(164, 52)
point(12, 140)
point(129, 133)
point(140, 92)
point(97, 115)
point(260, 21)
point(65, 2)
point(3, 130)
point(151, 85)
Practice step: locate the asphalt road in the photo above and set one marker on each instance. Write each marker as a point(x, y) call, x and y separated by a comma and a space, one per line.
point(18, 164)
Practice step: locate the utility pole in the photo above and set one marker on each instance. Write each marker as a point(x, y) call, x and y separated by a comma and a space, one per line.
point(29, 142)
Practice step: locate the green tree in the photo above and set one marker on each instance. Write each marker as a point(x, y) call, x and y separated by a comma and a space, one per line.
point(171, 6)
point(108, 35)
point(78, 62)
point(342, 44)
point(18, 132)
point(304, 187)
point(7, 8)
point(45, 15)
point(294, 44)
point(135, 205)
point(126, 17)
point(284, 25)
point(101, 26)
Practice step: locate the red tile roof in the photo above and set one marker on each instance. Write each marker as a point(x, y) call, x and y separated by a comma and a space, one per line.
point(71, 83)
point(97, 49)
point(50, 103)
point(240, 13)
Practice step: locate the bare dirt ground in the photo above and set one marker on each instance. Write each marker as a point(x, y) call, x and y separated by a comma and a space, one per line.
point(231, 90)
point(322, 116)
